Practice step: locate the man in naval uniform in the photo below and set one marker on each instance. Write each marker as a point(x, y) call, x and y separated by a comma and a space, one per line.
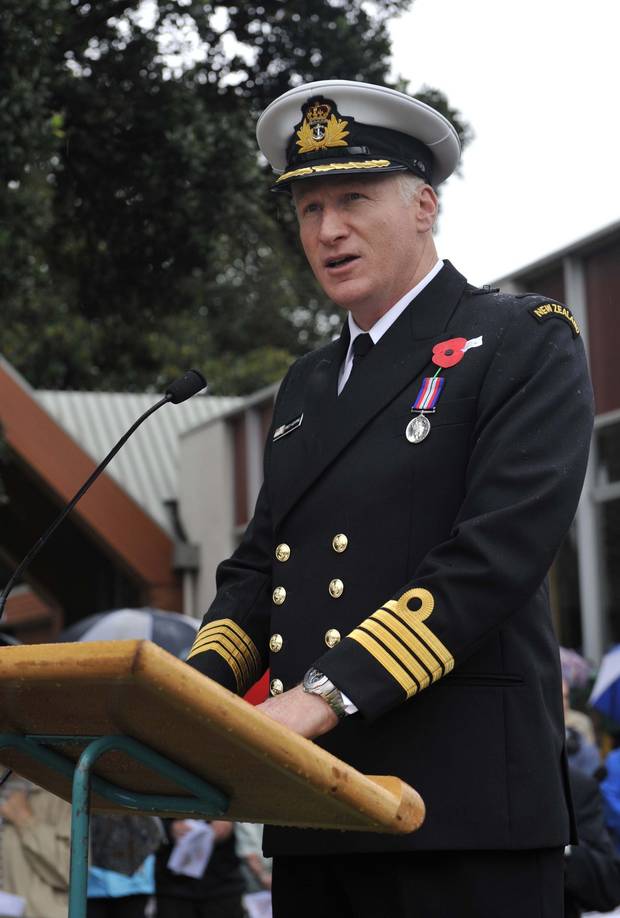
point(420, 475)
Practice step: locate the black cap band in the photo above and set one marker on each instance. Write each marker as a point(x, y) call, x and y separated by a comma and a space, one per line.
point(368, 142)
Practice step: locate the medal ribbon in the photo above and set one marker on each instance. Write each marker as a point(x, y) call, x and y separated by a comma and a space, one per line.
point(429, 393)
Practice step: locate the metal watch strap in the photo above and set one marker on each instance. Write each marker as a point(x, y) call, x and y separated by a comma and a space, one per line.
point(316, 683)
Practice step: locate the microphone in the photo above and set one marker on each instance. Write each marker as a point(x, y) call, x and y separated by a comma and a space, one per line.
point(178, 391)
point(186, 386)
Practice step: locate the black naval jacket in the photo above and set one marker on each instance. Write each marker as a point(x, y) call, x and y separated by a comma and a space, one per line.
point(432, 614)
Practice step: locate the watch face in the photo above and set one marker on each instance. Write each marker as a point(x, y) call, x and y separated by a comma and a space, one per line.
point(313, 679)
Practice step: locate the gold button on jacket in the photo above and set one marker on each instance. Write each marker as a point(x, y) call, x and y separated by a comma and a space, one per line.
point(283, 552)
point(279, 595)
point(276, 687)
point(275, 643)
point(332, 637)
point(340, 542)
point(336, 588)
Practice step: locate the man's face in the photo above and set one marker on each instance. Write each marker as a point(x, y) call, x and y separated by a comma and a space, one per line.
point(363, 241)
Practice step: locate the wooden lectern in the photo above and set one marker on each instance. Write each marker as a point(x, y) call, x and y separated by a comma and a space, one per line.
point(118, 725)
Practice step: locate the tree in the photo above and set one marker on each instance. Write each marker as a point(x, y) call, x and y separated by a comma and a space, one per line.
point(139, 237)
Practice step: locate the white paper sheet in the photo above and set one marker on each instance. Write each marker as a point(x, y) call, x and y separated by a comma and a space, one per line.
point(191, 853)
point(258, 904)
point(11, 906)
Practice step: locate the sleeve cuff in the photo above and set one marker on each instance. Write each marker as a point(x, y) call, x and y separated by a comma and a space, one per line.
point(226, 653)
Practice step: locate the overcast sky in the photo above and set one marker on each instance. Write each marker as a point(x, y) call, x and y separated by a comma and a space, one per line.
point(539, 81)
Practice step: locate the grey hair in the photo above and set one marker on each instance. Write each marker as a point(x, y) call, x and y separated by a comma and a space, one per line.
point(409, 185)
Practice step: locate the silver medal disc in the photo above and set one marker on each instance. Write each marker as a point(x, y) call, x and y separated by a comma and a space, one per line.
point(418, 429)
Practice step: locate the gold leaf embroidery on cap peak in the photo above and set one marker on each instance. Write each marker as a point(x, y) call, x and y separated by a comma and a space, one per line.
point(330, 167)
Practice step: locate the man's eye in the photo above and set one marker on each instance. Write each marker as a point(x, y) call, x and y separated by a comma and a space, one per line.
point(354, 196)
point(310, 208)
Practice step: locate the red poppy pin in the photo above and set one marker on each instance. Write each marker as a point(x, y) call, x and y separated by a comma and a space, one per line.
point(449, 353)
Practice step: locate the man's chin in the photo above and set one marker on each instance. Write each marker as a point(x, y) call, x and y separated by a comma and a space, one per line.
point(349, 295)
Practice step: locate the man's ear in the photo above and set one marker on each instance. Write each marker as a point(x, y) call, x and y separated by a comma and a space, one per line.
point(428, 207)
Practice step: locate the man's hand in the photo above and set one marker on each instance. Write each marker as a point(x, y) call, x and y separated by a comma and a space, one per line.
point(306, 714)
point(16, 809)
point(256, 866)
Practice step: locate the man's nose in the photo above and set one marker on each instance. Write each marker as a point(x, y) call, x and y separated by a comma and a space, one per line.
point(333, 227)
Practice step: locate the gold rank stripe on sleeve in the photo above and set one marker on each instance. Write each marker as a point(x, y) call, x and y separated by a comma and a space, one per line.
point(432, 666)
point(226, 638)
point(388, 662)
point(229, 630)
point(398, 650)
point(243, 639)
point(399, 640)
point(220, 642)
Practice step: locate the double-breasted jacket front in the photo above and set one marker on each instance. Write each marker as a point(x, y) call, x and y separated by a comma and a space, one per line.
point(413, 574)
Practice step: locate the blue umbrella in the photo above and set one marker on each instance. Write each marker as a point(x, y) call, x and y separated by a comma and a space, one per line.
point(170, 630)
point(605, 695)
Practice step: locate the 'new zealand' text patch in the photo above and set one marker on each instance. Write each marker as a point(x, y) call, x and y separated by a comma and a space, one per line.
point(556, 310)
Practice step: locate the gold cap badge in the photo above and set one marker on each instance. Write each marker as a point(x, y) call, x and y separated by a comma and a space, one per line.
point(320, 128)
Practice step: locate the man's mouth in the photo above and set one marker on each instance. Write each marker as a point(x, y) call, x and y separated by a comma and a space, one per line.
point(339, 262)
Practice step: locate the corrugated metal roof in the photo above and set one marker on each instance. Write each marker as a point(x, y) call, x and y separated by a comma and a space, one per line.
point(146, 466)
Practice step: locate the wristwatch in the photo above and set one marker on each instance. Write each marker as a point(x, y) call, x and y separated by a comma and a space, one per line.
point(316, 683)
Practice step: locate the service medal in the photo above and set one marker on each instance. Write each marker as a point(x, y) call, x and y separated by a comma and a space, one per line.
point(418, 428)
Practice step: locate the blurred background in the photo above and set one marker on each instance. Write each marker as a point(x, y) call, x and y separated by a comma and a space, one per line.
point(138, 238)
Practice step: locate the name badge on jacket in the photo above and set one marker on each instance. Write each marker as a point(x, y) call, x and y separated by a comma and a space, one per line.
point(285, 429)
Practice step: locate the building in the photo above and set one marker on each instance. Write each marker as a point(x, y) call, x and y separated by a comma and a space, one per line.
point(216, 509)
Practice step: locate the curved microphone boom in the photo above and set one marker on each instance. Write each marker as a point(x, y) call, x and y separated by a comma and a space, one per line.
point(178, 391)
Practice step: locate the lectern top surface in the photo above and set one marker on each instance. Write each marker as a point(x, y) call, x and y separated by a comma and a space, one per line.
point(135, 688)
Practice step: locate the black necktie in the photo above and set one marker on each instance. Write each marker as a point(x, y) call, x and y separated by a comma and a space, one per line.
point(361, 345)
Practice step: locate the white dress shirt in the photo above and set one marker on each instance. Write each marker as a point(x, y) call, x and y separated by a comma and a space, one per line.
point(381, 325)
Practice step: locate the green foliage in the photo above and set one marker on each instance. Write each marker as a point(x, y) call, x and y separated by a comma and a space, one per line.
point(241, 374)
point(137, 233)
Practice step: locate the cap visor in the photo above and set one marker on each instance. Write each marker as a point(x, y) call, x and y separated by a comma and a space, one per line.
point(341, 167)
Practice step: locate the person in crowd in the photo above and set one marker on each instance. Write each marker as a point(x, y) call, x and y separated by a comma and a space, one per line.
point(578, 720)
point(592, 867)
point(121, 875)
point(215, 893)
point(582, 751)
point(420, 474)
point(35, 843)
point(256, 869)
point(610, 789)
